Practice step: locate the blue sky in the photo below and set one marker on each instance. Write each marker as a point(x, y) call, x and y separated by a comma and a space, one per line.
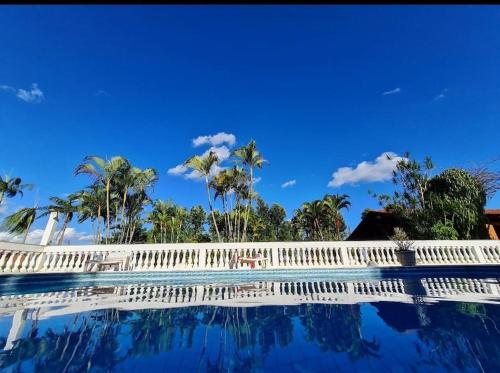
point(319, 88)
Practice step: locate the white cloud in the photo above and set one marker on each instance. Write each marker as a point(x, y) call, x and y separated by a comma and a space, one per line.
point(223, 153)
point(379, 170)
point(214, 140)
point(289, 183)
point(72, 234)
point(35, 236)
point(257, 180)
point(193, 175)
point(33, 95)
point(177, 170)
point(391, 92)
point(441, 95)
point(102, 93)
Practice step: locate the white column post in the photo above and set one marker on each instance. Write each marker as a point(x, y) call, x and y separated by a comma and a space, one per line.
point(16, 328)
point(344, 256)
point(202, 257)
point(476, 249)
point(50, 229)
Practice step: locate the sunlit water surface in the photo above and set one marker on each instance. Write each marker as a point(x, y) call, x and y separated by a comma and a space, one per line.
point(422, 324)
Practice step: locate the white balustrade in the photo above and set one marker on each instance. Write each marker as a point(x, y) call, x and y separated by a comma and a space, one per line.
point(159, 296)
point(20, 258)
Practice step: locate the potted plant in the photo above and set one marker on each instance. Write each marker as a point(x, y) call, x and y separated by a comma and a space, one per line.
point(405, 252)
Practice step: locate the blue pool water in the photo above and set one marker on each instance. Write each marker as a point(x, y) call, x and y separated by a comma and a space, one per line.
point(368, 322)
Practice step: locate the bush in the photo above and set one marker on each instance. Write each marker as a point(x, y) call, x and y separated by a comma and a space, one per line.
point(444, 231)
point(455, 195)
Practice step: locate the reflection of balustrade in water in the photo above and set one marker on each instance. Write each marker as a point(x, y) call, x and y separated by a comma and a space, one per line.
point(18, 258)
point(142, 296)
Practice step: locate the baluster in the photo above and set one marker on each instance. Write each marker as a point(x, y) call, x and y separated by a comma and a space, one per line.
point(460, 253)
point(467, 254)
point(148, 259)
point(382, 256)
point(439, 258)
point(3, 260)
point(67, 260)
point(17, 262)
point(59, 260)
point(80, 260)
point(23, 264)
point(428, 254)
point(38, 262)
point(30, 265)
point(156, 263)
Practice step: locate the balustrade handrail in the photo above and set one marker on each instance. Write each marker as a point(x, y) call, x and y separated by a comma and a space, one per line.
point(219, 256)
point(4, 245)
point(270, 244)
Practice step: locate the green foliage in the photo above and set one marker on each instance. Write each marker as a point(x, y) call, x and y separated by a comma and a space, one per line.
point(428, 207)
point(456, 196)
point(20, 221)
point(321, 220)
point(116, 199)
point(444, 231)
point(173, 224)
point(10, 187)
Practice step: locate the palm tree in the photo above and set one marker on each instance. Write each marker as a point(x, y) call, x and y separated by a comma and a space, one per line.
point(92, 205)
point(136, 203)
point(138, 180)
point(238, 187)
point(62, 207)
point(10, 187)
point(203, 165)
point(20, 222)
point(159, 218)
point(313, 214)
point(221, 184)
point(251, 157)
point(332, 205)
point(105, 172)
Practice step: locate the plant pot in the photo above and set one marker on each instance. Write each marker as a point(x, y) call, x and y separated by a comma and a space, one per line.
point(407, 258)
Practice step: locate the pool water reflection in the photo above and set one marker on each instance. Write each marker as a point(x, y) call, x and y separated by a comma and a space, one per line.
point(424, 324)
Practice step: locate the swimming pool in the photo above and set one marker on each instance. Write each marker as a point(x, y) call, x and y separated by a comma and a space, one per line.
point(352, 321)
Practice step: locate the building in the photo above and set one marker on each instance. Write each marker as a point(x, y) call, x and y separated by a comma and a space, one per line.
point(380, 224)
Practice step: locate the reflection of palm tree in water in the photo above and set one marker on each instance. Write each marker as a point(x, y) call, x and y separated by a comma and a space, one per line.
point(60, 352)
point(244, 337)
point(337, 328)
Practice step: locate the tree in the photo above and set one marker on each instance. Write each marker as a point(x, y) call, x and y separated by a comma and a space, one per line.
point(250, 157)
point(412, 179)
point(105, 172)
point(134, 184)
point(456, 196)
point(444, 231)
point(321, 219)
point(11, 187)
point(489, 179)
point(92, 206)
point(63, 207)
point(332, 205)
point(221, 184)
point(203, 165)
point(425, 205)
point(197, 219)
point(20, 222)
